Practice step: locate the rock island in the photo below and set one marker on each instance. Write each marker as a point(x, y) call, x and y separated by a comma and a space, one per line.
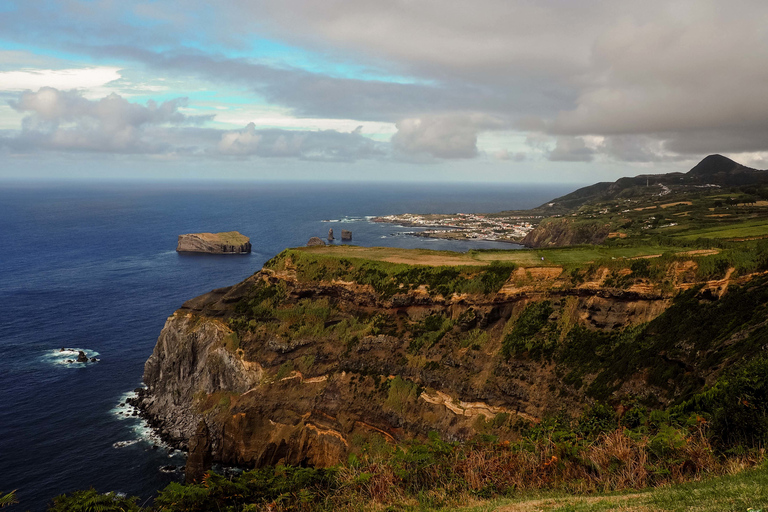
point(230, 242)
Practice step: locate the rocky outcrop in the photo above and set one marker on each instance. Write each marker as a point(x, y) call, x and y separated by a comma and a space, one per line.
point(200, 458)
point(230, 242)
point(563, 231)
point(330, 235)
point(346, 236)
point(191, 358)
point(315, 241)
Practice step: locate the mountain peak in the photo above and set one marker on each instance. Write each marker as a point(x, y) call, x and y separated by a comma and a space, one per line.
point(717, 164)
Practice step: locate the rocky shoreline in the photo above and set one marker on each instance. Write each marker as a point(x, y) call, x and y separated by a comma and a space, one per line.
point(155, 422)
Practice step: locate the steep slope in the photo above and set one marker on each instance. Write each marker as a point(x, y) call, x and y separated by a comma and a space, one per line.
point(314, 358)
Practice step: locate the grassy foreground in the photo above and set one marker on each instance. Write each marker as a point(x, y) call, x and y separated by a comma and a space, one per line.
point(741, 492)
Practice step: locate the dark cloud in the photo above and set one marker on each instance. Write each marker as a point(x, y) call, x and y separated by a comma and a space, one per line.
point(634, 148)
point(571, 149)
point(724, 140)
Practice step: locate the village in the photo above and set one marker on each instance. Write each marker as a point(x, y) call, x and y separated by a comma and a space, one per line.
point(463, 226)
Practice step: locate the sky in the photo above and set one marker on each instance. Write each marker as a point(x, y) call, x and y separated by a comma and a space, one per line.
point(528, 91)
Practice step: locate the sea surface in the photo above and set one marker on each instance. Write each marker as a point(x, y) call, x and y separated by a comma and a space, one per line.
point(93, 267)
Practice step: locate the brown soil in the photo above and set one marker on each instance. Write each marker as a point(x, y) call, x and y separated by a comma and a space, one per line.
point(677, 203)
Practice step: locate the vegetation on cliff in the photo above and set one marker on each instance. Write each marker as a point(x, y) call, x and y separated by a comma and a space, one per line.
point(595, 453)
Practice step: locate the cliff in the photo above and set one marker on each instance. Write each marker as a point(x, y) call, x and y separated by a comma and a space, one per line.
point(313, 358)
point(560, 232)
point(230, 242)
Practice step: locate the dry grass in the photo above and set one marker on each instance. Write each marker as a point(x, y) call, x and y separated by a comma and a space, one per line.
point(614, 462)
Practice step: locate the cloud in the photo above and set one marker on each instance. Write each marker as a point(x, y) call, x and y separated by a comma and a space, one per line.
point(441, 136)
point(324, 145)
point(76, 78)
point(571, 149)
point(655, 79)
point(65, 120)
point(504, 155)
point(634, 148)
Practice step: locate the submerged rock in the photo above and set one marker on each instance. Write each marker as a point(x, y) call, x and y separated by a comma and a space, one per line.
point(230, 242)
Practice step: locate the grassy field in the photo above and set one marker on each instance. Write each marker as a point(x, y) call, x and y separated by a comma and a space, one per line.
point(742, 492)
point(741, 229)
point(522, 257)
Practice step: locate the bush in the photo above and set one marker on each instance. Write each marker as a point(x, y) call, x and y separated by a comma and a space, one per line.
point(92, 501)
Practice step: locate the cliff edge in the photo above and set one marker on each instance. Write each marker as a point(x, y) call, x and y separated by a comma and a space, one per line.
point(320, 355)
point(230, 242)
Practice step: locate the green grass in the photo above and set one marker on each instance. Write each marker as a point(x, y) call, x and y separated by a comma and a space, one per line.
point(226, 237)
point(740, 229)
point(738, 493)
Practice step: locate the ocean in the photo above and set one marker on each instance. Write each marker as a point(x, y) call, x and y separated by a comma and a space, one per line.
point(93, 267)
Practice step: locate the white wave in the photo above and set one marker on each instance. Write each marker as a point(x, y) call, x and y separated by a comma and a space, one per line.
point(123, 410)
point(330, 220)
point(68, 357)
point(140, 430)
point(123, 444)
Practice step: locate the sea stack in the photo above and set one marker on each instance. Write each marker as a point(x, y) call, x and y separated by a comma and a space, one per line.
point(330, 235)
point(346, 236)
point(230, 242)
point(314, 241)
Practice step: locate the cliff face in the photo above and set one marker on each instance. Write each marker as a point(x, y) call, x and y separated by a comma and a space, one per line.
point(562, 232)
point(230, 242)
point(306, 372)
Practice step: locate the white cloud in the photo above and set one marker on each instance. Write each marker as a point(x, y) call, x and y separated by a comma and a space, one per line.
point(67, 121)
point(441, 136)
point(64, 79)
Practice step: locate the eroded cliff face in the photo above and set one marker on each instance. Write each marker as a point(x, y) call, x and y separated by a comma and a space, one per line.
point(285, 370)
point(562, 232)
point(230, 242)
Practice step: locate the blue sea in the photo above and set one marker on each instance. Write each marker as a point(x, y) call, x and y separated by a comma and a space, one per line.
point(93, 267)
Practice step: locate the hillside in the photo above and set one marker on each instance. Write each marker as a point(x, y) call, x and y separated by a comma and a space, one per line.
point(714, 170)
point(717, 199)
